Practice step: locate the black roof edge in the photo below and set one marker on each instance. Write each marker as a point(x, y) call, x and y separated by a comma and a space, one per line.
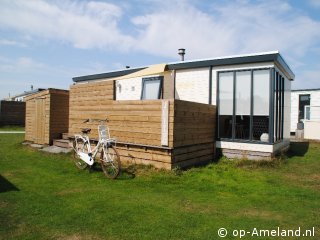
point(305, 90)
point(107, 75)
point(232, 60)
point(283, 63)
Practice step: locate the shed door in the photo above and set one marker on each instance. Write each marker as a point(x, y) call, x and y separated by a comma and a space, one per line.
point(39, 121)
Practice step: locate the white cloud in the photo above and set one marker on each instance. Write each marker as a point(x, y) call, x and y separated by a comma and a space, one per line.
point(314, 3)
point(160, 27)
point(307, 79)
point(7, 42)
point(222, 29)
point(236, 27)
point(83, 24)
point(22, 65)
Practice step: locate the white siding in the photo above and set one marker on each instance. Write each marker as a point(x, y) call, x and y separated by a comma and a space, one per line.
point(268, 148)
point(312, 130)
point(287, 108)
point(130, 89)
point(193, 85)
point(294, 111)
point(314, 103)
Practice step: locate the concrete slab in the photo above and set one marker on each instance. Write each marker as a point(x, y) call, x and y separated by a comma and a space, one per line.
point(55, 149)
point(36, 145)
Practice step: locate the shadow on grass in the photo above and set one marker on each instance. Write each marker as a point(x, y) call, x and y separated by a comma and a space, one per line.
point(6, 186)
point(298, 149)
point(125, 174)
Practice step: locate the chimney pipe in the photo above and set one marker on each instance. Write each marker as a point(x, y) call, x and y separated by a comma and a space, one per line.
point(31, 87)
point(182, 52)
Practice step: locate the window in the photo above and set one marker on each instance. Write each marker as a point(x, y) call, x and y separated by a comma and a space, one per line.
point(244, 105)
point(225, 104)
point(242, 108)
point(278, 106)
point(151, 88)
point(261, 101)
point(306, 112)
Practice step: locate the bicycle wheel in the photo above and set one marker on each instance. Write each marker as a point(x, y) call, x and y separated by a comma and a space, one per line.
point(110, 162)
point(80, 147)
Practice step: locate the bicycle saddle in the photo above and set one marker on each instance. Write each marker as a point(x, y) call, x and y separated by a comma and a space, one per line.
point(86, 130)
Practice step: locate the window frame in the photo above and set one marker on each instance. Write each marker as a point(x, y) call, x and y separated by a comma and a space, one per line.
point(271, 108)
point(160, 91)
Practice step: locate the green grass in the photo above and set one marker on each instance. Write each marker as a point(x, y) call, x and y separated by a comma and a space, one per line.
point(50, 199)
point(11, 128)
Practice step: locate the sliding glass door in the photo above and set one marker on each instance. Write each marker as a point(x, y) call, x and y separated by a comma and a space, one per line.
point(243, 105)
point(226, 104)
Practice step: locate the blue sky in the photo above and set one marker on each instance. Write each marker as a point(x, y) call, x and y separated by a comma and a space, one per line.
point(46, 43)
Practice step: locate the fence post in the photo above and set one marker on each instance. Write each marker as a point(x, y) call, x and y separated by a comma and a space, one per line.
point(165, 123)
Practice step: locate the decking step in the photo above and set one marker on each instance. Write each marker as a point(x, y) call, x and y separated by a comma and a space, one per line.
point(61, 143)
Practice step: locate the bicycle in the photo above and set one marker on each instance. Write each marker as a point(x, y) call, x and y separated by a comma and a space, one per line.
point(85, 156)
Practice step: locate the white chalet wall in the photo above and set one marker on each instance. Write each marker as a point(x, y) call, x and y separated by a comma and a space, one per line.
point(193, 85)
point(130, 89)
point(314, 103)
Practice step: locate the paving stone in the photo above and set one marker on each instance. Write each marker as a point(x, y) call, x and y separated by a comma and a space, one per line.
point(36, 145)
point(55, 149)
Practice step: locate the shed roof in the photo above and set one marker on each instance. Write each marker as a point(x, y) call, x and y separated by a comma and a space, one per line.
point(112, 74)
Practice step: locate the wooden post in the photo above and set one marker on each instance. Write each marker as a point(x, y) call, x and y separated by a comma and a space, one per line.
point(165, 123)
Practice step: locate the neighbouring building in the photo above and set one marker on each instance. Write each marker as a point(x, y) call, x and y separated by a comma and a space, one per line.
point(305, 108)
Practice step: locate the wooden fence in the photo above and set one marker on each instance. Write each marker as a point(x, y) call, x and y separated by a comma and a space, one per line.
point(140, 126)
point(12, 113)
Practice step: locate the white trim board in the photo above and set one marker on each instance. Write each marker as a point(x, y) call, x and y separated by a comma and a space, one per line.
point(252, 146)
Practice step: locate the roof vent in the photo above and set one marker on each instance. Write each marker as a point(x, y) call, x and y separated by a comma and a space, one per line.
point(127, 67)
point(182, 52)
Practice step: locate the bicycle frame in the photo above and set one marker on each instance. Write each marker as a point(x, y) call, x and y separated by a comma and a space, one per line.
point(90, 156)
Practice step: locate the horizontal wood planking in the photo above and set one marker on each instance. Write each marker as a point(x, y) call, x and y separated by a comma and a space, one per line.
point(194, 134)
point(12, 113)
point(191, 125)
point(136, 121)
point(194, 123)
point(145, 154)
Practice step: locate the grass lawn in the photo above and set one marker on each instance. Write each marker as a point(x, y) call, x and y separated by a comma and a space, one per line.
point(43, 196)
point(11, 128)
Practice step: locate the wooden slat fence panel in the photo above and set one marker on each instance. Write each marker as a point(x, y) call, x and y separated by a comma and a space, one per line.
point(12, 113)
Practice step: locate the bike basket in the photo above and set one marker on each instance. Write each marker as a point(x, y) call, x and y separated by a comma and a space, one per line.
point(103, 132)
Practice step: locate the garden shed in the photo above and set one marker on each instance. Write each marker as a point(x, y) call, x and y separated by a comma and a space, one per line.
point(47, 115)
